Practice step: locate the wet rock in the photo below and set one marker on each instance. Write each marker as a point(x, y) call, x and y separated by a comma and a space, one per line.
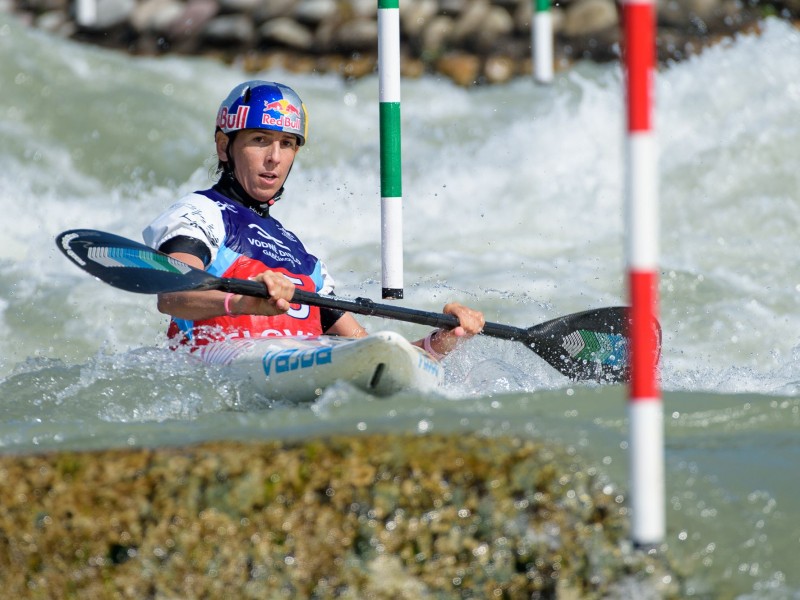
point(370, 516)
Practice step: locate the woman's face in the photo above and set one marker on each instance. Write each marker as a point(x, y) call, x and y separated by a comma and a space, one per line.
point(261, 159)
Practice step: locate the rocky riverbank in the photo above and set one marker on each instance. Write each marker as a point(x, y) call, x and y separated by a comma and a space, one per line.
point(470, 41)
point(381, 516)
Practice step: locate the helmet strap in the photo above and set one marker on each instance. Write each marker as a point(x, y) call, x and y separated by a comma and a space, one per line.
point(229, 186)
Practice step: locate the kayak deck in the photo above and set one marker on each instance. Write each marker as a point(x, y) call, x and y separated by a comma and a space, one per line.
point(300, 369)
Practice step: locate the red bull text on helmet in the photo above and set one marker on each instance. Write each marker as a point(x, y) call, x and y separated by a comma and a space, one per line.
point(288, 117)
point(232, 122)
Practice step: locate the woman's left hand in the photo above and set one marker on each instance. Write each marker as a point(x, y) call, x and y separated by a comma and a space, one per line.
point(470, 323)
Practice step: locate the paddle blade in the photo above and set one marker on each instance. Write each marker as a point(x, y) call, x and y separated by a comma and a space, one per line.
point(590, 345)
point(130, 266)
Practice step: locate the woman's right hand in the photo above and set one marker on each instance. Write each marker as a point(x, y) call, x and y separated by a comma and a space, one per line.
point(280, 290)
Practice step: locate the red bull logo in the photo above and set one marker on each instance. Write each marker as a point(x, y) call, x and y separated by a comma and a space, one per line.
point(288, 115)
point(238, 120)
point(282, 106)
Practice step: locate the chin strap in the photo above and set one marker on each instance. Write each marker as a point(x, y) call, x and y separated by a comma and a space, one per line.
point(275, 198)
point(230, 187)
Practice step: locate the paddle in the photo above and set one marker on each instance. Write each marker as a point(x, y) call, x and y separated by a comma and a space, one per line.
point(589, 345)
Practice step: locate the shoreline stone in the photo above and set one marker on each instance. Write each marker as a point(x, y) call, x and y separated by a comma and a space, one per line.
point(380, 516)
point(473, 42)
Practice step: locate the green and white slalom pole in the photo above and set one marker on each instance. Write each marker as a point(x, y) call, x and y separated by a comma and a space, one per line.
point(391, 172)
point(542, 41)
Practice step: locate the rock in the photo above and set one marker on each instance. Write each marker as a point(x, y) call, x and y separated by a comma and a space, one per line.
point(411, 67)
point(461, 67)
point(414, 16)
point(313, 12)
point(683, 13)
point(230, 30)
point(193, 19)
point(499, 69)
point(273, 9)
point(241, 6)
point(365, 9)
point(497, 25)
point(359, 66)
point(437, 35)
point(471, 20)
point(357, 34)
point(383, 516)
point(587, 17)
point(523, 17)
point(41, 6)
point(453, 8)
point(155, 16)
point(286, 32)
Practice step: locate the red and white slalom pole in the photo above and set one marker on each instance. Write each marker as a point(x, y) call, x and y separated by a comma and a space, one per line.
point(646, 445)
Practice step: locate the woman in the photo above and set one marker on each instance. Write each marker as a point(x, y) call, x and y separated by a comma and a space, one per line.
point(228, 231)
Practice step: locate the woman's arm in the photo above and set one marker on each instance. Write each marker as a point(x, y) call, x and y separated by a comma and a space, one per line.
point(438, 343)
point(196, 306)
point(441, 342)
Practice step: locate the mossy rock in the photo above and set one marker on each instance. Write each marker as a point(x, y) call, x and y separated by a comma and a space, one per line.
point(379, 516)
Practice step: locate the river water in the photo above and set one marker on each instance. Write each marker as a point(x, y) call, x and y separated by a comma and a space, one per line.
point(513, 203)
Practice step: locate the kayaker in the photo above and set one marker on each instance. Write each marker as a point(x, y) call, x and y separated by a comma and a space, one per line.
point(228, 230)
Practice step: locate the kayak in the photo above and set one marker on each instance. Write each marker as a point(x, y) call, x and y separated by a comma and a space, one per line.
point(301, 368)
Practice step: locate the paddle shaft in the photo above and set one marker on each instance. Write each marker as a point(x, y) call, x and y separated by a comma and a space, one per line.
point(365, 306)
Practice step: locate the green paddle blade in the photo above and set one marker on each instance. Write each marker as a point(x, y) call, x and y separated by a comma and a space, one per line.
point(590, 345)
point(130, 266)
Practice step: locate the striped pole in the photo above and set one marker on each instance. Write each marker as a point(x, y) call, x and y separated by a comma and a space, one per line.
point(542, 41)
point(86, 12)
point(645, 409)
point(391, 172)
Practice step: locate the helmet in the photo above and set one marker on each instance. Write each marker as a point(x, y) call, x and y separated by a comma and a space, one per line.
point(263, 105)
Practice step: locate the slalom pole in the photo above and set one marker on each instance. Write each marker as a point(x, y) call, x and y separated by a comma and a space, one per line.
point(391, 172)
point(645, 410)
point(86, 12)
point(542, 41)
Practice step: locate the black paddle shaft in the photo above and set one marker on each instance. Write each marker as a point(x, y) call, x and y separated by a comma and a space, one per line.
point(590, 345)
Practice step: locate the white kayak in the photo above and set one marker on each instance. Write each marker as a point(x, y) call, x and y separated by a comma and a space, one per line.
point(300, 369)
